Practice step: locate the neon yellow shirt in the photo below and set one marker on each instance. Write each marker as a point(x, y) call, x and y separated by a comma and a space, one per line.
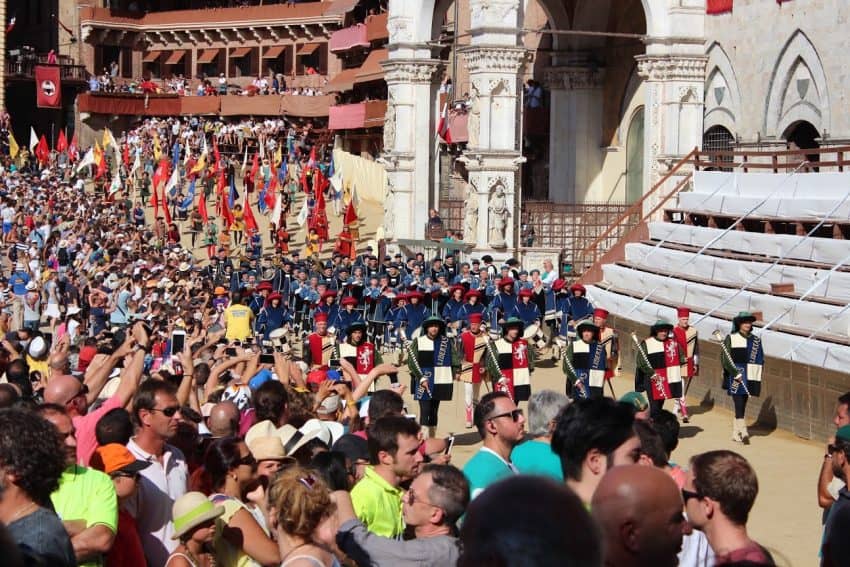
point(237, 321)
point(86, 494)
point(378, 504)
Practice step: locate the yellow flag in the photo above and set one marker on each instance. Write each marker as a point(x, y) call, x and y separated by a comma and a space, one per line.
point(202, 163)
point(14, 149)
point(107, 138)
point(278, 156)
point(157, 149)
point(98, 153)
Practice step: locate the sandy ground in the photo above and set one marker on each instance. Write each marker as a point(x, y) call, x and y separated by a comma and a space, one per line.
point(786, 518)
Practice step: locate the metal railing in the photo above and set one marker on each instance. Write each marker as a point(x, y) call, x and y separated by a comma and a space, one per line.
point(24, 68)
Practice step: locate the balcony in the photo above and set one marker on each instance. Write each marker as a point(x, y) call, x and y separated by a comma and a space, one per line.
point(226, 105)
point(370, 114)
point(304, 21)
point(23, 68)
point(347, 38)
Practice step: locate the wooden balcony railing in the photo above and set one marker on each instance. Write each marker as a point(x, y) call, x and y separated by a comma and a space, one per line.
point(24, 68)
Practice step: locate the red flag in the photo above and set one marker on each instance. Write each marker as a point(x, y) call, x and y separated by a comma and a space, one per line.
point(42, 151)
point(350, 214)
point(101, 168)
point(250, 221)
point(443, 129)
point(202, 207)
point(48, 86)
point(165, 211)
point(320, 200)
point(312, 161)
point(126, 156)
point(161, 174)
point(155, 202)
point(270, 194)
point(255, 167)
point(225, 211)
point(62, 142)
point(303, 180)
point(72, 149)
point(217, 155)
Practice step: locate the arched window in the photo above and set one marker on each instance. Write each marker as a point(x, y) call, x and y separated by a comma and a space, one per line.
point(635, 157)
point(718, 139)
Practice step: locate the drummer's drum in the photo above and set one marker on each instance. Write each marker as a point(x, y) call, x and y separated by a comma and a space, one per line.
point(535, 336)
point(279, 336)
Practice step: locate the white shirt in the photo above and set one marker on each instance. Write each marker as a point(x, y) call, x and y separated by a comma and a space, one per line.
point(160, 484)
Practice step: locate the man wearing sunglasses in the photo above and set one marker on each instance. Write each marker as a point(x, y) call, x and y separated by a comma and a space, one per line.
point(501, 426)
point(76, 396)
point(836, 545)
point(720, 490)
point(85, 499)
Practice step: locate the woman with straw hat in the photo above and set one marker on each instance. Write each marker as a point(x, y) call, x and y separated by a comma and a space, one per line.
point(194, 525)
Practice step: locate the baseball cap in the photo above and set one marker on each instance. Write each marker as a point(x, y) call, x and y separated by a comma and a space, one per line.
point(115, 457)
point(636, 400)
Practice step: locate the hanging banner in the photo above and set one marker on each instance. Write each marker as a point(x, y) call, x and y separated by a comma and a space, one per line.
point(48, 87)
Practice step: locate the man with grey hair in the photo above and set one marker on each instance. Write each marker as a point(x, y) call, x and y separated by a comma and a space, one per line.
point(534, 455)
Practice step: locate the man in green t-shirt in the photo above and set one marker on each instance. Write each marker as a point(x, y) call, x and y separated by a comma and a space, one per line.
point(85, 500)
point(501, 426)
point(394, 457)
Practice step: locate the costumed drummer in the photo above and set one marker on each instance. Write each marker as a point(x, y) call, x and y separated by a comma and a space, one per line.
point(432, 361)
point(659, 366)
point(743, 362)
point(473, 344)
point(358, 356)
point(585, 362)
point(609, 339)
point(510, 362)
point(319, 345)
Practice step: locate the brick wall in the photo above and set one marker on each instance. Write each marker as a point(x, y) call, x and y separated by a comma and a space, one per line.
point(796, 397)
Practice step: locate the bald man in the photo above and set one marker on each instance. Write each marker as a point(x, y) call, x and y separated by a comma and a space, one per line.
point(76, 396)
point(223, 420)
point(640, 512)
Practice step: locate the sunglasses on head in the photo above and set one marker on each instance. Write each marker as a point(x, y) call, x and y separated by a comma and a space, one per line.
point(169, 411)
point(514, 415)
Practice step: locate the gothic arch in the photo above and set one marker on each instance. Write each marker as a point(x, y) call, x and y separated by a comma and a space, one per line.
point(722, 94)
point(798, 88)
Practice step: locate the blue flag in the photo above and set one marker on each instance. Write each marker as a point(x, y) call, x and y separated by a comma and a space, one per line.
point(262, 202)
point(190, 197)
point(175, 155)
point(231, 199)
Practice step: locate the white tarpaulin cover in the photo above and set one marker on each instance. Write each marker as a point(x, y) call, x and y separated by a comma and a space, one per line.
point(823, 250)
point(827, 185)
point(739, 272)
point(806, 315)
point(776, 344)
point(788, 208)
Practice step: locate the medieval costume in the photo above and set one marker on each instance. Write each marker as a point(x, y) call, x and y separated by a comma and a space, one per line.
point(510, 362)
point(659, 363)
point(584, 363)
point(743, 362)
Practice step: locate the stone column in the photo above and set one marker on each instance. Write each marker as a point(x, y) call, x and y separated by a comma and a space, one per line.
point(408, 145)
point(575, 110)
point(674, 113)
point(494, 153)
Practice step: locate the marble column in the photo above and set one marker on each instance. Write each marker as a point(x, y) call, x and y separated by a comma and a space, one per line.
point(674, 113)
point(408, 143)
point(575, 110)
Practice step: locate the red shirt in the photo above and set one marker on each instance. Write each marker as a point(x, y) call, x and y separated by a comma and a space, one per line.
point(127, 549)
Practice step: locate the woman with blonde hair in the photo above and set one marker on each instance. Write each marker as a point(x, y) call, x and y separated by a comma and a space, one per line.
point(300, 509)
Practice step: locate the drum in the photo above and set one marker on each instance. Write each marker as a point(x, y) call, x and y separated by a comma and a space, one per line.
point(535, 336)
point(278, 337)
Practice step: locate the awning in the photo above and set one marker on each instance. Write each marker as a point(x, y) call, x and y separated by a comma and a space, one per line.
point(175, 57)
point(240, 52)
point(342, 81)
point(308, 48)
point(371, 69)
point(151, 56)
point(340, 7)
point(208, 56)
point(274, 51)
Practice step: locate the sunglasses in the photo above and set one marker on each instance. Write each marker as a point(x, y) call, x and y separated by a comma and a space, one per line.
point(514, 415)
point(84, 390)
point(413, 499)
point(167, 412)
point(122, 474)
point(688, 494)
point(248, 460)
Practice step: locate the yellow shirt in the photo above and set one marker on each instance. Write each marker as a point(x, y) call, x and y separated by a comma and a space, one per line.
point(378, 505)
point(237, 322)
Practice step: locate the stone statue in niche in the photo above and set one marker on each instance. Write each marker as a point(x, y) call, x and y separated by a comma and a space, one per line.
point(470, 217)
point(389, 213)
point(498, 216)
point(473, 124)
point(389, 125)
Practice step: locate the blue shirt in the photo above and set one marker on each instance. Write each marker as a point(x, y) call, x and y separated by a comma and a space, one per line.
point(18, 282)
point(537, 458)
point(486, 468)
